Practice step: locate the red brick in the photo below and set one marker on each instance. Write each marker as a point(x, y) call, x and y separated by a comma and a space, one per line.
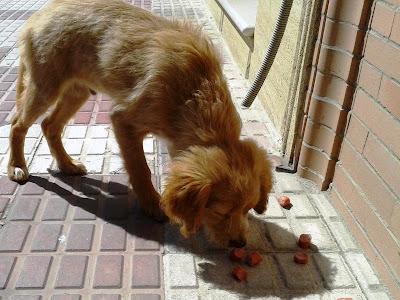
point(82, 118)
point(341, 35)
point(382, 18)
point(80, 237)
point(333, 88)
point(395, 221)
point(108, 273)
point(311, 175)
point(113, 238)
point(354, 11)
point(46, 237)
point(359, 234)
point(395, 35)
point(24, 209)
point(146, 271)
point(7, 187)
point(379, 121)
point(370, 78)
point(34, 272)
point(389, 95)
point(72, 272)
point(322, 137)
point(13, 236)
point(338, 63)
point(383, 55)
point(370, 183)
point(356, 133)
point(327, 113)
point(383, 162)
point(6, 266)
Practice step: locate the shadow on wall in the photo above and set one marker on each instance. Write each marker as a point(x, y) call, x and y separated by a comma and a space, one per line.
point(213, 266)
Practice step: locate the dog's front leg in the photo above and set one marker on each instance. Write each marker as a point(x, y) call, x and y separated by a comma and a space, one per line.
point(131, 146)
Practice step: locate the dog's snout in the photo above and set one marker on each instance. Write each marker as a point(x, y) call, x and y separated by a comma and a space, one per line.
point(237, 243)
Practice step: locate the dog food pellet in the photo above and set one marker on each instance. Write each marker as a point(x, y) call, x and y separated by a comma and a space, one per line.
point(300, 258)
point(284, 201)
point(254, 259)
point(239, 274)
point(304, 241)
point(237, 254)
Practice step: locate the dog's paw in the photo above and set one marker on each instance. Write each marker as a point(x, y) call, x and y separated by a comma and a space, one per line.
point(75, 168)
point(18, 174)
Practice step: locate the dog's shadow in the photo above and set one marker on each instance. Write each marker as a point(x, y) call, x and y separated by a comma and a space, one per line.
point(277, 275)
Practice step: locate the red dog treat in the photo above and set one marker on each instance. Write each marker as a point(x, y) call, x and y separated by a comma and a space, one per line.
point(284, 201)
point(300, 258)
point(254, 259)
point(304, 241)
point(239, 274)
point(237, 254)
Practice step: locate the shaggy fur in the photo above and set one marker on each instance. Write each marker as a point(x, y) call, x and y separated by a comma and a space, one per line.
point(165, 78)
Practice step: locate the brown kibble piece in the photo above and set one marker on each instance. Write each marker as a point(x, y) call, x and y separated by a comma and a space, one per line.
point(304, 241)
point(284, 201)
point(254, 259)
point(237, 254)
point(239, 274)
point(300, 258)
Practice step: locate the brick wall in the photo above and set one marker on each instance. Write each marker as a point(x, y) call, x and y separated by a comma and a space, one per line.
point(366, 185)
point(352, 124)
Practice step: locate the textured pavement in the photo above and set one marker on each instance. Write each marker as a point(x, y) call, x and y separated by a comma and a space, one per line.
point(84, 238)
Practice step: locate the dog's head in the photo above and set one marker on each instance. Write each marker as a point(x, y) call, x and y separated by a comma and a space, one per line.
point(216, 187)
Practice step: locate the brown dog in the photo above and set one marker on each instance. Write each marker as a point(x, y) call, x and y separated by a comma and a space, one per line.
point(165, 78)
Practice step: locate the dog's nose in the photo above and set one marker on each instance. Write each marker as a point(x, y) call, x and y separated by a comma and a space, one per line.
point(237, 243)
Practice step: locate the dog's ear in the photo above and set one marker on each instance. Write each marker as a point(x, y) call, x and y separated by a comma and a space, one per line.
point(187, 190)
point(262, 167)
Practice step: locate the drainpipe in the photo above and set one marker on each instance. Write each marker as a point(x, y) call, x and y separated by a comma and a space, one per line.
point(269, 57)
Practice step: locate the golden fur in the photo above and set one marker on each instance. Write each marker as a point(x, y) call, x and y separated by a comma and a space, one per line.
point(165, 78)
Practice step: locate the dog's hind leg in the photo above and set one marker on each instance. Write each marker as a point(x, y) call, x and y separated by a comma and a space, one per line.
point(32, 101)
point(67, 105)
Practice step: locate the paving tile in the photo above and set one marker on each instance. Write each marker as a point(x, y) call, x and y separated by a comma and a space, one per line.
point(146, 271)
point(86, 213)
point(90, 184)
point(324, 206)
point(181, 271)
point(113, 238)
point(34, 272)
point(3, 203)
point(31, 188)
point(96, 146)
point(7, 187)
point(108, 272)
point(98, 131)
point(72, 271)
point(342, 236)
point(66, 297)
point(362, 270)
point(26, 297)
point(150, 238)
point(182, 294)
point(288, 183)
point(80, 237)
point(321, 238)
point(24, 209)
point(75, 132)
point(56, 210)
point(13, 236)
point(281, 235)
point(146, 297)
point(6, 266)
point(94, 163)
point(302, 207)
point(298, 276)
point(106, 297)
point(333, 270)
point(116, 207)
point(118, 184)
point(46, 237)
